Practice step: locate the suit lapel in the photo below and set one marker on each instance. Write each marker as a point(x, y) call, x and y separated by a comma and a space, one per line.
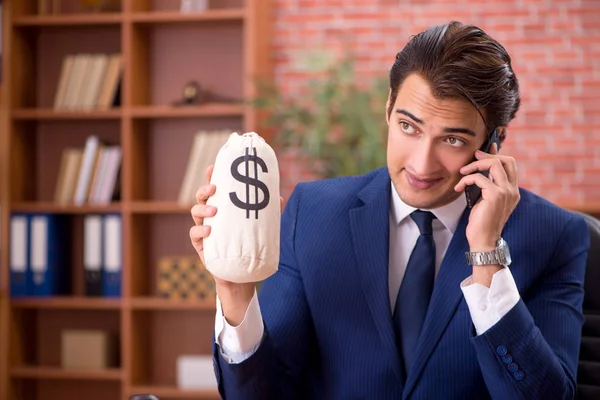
point(444, 301)
point(369, 225)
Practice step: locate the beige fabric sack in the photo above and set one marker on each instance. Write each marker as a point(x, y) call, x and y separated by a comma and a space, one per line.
point(243, 245)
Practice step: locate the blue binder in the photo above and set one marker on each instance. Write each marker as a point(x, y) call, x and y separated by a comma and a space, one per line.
point(49, 256)
point(112, 243)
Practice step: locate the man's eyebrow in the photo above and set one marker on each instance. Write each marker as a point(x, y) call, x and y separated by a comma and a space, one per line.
point(419, 121)
point(466, 131)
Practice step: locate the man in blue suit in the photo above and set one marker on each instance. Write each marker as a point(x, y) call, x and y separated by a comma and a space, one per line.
point(389, 285)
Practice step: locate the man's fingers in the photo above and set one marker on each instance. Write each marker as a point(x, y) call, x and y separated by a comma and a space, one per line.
point(208, 173)
point(474, 179)
point(197, 234)
point(205, 192)
point(509, 164)
point(494, 165)
point(201, 211)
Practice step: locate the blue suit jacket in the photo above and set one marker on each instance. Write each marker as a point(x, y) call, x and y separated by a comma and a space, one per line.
point(328, 323)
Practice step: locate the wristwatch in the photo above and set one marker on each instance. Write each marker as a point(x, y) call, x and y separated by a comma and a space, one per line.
point(499, 256)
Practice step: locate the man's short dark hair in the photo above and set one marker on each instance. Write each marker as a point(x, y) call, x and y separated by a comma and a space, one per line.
point(461, 62)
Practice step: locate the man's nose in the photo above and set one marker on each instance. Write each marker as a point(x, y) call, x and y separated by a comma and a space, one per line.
point(423, 159)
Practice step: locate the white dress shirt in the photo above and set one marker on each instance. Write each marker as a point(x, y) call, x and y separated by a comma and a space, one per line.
point(486, 305)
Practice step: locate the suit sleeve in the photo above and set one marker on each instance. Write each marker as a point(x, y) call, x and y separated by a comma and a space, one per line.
point(532, 352)
point(276, 369)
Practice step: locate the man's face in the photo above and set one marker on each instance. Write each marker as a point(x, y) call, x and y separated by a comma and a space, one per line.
point(429, 140)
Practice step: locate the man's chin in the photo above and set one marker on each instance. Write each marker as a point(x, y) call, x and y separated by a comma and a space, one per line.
point(427, 199)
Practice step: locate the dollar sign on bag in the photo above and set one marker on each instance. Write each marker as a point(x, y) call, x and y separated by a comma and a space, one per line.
point(249, 181)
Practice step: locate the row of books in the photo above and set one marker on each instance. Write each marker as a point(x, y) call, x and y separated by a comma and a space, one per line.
point(204, 150)
point(41, 254)
point(89, 81)
point(89, 175)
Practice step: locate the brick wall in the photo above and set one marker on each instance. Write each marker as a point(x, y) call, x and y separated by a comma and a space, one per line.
point(555, 46)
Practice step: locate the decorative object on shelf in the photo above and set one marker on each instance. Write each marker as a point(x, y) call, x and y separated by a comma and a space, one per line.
point(89, 349)
point(194, 94)
point(191, 93)
point(184, 277)
point(338, 122)
point(195, 372)
point(193, 5)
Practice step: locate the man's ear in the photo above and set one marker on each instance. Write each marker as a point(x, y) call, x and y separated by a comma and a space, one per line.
point(387, 107)
point(501, 136)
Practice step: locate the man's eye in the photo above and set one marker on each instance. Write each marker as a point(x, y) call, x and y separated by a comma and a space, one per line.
point(454, 141)
point(406, 127)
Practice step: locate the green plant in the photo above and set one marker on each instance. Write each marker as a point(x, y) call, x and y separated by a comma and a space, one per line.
point(337, 123)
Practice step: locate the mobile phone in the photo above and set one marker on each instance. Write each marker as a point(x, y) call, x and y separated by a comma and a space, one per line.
point(143, 397)
point(473, 192)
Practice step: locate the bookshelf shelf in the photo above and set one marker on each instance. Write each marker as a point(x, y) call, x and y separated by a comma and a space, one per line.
point(51, 114)
point(67, 303)
point(150, 303)
point(207, 110)
point(60, 373)
point(152, 207)
point(49, 207)
point(232, 14)
point(175, 393)
point(69, 20)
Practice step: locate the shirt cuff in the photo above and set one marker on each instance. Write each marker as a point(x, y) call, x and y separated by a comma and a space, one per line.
point(238, 343)
point(488, 305)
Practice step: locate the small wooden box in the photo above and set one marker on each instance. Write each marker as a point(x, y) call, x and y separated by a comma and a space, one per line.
point(89, 349)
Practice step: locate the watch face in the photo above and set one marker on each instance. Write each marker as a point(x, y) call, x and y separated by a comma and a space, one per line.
point(505, 251)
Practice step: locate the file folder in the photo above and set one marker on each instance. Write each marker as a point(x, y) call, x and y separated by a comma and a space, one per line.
point(112, 255)
point(92, 254)
point(50, 245)
point(19, 255)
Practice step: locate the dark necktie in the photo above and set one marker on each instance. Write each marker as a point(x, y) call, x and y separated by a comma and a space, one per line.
point(415, 290)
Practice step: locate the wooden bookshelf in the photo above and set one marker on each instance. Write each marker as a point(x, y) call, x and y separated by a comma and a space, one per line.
point(152, 303)
point(51, 114)
point(67, 303)
point(63, 374)
point(49, 207)
point(4, 214)
point(224, 49)
point(156, 207)
point(68, 20)
point(234, 14)
point(207, 110)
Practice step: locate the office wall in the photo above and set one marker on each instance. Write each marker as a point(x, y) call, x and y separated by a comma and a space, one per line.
point(555, 47)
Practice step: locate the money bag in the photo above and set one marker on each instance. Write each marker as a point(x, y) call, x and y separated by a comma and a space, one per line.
point(243, 244)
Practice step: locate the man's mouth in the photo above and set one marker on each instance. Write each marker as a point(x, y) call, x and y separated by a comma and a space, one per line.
point(420, 183)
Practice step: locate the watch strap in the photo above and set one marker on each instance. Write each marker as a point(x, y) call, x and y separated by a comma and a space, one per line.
point(483, 258)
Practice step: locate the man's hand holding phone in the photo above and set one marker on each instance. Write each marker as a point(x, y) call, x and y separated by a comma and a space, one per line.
point(499, 197)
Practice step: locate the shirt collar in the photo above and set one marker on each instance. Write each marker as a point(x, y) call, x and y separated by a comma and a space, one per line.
point(448, 214)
